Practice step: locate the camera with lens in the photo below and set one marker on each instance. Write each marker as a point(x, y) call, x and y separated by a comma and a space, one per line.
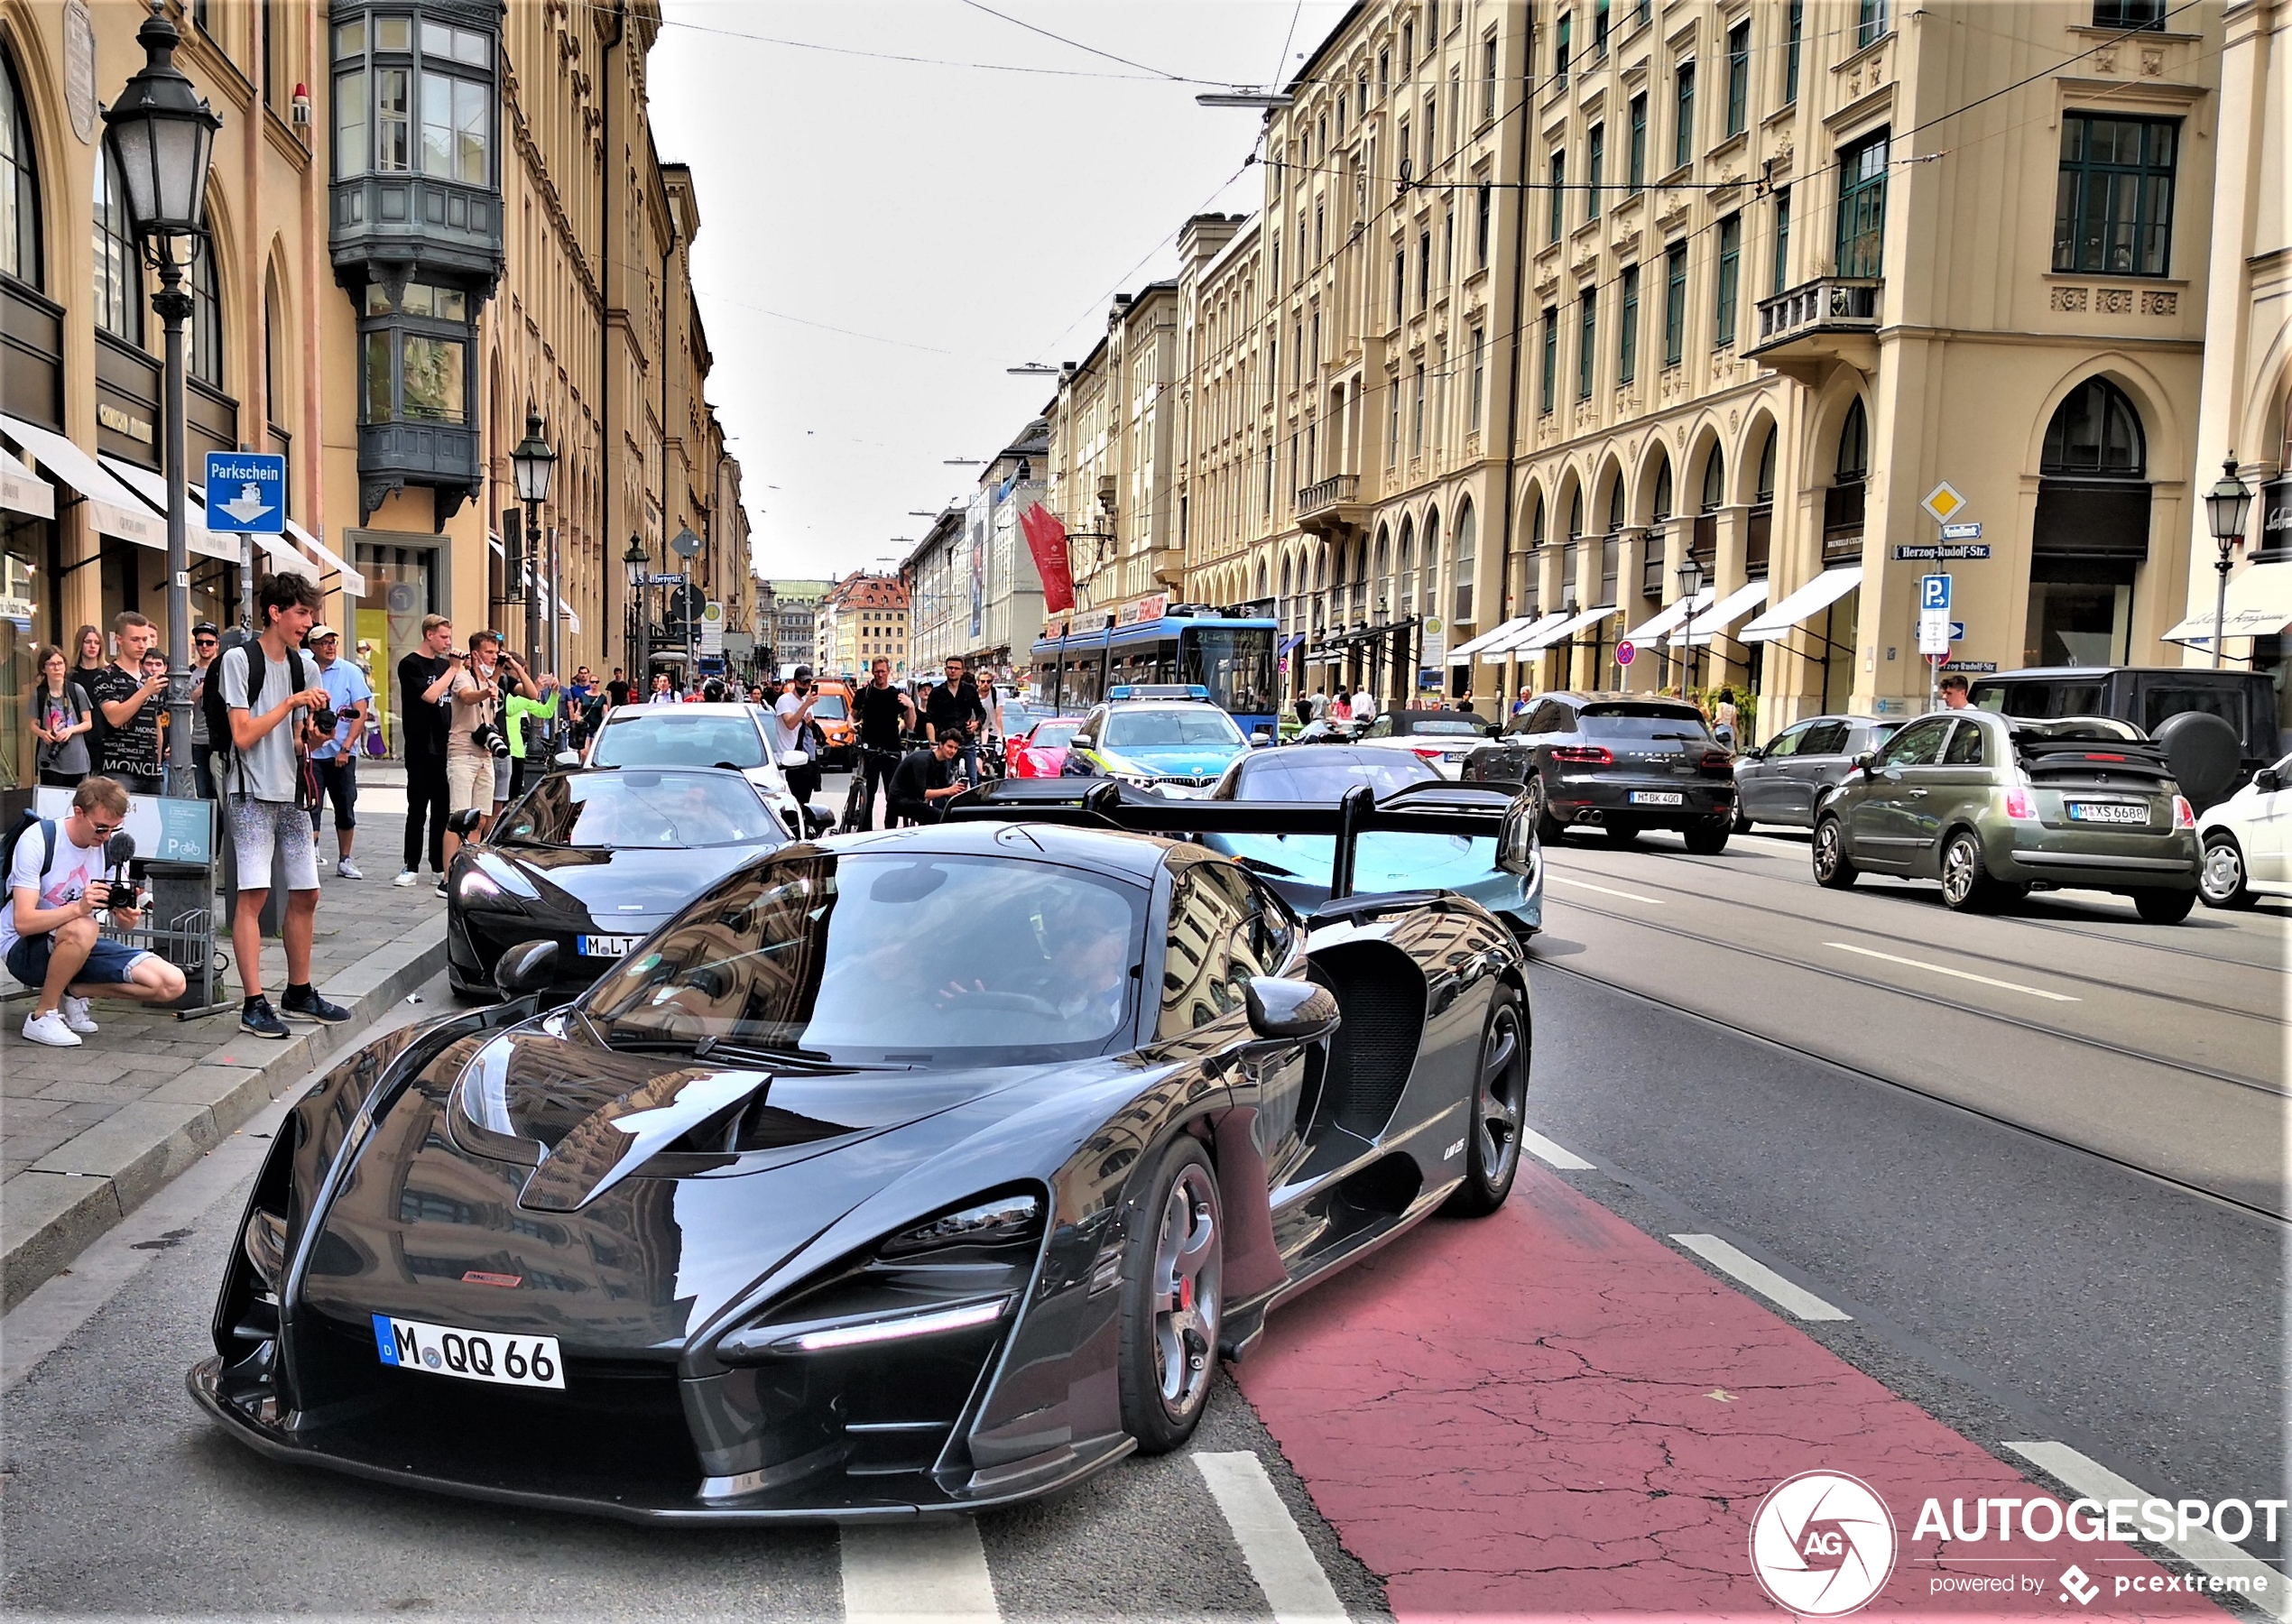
point(488, 737)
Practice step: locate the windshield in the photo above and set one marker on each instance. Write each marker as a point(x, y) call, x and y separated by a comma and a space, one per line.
point(647, 740)
point(828, 707)
point(2079, 728)
point(1325, 775)
point(1462, 726)
point(1235, 663)
point(1053, 735)
point(1193, 728)
point(900, 959)
point(611, 810)
point(1642, 721)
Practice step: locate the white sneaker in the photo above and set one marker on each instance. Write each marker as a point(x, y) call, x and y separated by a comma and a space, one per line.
point(405, 877)
point(75, 1013)
point(348, 870)
point(49, 1029)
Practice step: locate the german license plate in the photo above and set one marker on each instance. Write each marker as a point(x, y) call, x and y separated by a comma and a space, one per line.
point(1656, 798)
point(2107, 812)
point(603, 946)
point(532, 1361)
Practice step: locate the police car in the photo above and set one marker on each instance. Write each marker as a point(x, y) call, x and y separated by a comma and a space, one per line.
point(1167, 737)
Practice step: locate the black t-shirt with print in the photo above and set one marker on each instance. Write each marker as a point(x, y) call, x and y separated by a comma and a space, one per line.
point(129, 747)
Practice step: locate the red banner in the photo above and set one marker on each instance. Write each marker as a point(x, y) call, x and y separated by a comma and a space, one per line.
point(1046, 541)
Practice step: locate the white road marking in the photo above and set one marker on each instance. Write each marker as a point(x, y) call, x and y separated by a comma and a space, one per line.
point(1987, 981)
point(1760, 1279)
point(2202, 1549)
point(1550, 1154)
point(1605, 890)
point(1280, 1560)
point(894, 1573)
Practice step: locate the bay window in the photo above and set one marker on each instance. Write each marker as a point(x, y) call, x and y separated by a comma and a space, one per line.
point(407, 97)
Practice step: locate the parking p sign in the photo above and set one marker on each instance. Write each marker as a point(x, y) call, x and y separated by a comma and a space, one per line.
point(1933, 593)
point(246, 493)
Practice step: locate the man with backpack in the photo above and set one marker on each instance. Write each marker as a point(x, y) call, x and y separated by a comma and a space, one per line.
point(49, 935)
point(267, 690)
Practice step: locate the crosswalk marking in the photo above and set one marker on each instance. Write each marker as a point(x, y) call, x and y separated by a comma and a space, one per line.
point(1280, 1560)
point(1760, 1279)
point(895, 1573)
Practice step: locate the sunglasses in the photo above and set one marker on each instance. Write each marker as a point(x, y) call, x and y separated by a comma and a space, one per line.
point(106, 830)
point(205, 642)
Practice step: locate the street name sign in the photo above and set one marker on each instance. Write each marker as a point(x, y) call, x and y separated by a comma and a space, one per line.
point(1939, 552)
point(246, 493)
point(1969, 531)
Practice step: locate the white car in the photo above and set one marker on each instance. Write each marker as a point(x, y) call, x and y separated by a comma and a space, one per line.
point(738, 736)
point(1441, 738)
point(2247, 853)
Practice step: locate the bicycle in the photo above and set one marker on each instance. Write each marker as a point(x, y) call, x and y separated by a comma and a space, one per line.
point(859, 800)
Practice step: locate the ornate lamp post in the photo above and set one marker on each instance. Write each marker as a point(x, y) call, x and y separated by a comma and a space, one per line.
point(1690, 587)
point(2227, 506)
point(162, 135)
point(639, 564)
point(534, 464)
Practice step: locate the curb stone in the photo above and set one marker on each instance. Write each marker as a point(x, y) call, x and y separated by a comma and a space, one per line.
point(50, 1211)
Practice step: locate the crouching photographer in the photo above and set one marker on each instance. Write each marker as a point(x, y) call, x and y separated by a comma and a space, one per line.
point(64, 876)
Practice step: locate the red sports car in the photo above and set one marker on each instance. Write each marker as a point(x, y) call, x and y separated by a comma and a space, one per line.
point(1042, 750)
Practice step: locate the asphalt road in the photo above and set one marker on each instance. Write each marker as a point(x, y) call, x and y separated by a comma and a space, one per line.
point(2057, 1217)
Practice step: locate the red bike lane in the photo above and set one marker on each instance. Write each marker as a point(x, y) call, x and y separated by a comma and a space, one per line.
point(1547, 1414)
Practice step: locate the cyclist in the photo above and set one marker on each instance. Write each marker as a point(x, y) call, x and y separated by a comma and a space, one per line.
point(884, 715)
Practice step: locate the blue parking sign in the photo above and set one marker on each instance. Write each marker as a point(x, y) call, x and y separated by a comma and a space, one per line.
point(246, 493)
point(1933, 592)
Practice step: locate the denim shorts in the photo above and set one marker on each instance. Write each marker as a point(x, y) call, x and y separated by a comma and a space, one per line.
point(109, 963)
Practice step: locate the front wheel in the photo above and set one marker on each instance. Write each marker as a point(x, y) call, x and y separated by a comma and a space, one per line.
point(1741, 823)
point(2164, 907)
point(2223, 882)
point(1833, 869)
point(1173, 1273)
point(1499, 1096)
point(856, 804)
point(1708, 836)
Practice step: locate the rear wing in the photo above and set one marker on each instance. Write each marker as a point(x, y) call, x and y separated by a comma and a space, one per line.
point(1430, 809)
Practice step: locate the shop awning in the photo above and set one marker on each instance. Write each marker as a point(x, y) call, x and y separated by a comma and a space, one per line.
point(152, 488)
point(1670, 617)
point(2260, 604)
point(23, 492)
point(1710, 623)
point(1564, 630)
point(113, 509)
point(1804, 604)
point(1289, 644)
point(353, 582)
point(1462, 654)
point(572, 620)
point(1512, 643)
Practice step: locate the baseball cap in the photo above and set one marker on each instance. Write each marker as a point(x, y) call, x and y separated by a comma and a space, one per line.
point(319, 634)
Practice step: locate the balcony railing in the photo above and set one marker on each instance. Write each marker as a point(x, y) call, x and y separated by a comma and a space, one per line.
point(1335, 491)
point(1827, 304)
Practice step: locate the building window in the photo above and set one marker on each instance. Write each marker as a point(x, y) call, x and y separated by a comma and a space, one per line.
point(1782, 238)
point(1488, 78)
point(1417, 416)
point(19, 184)
point(206, 335)
point(2095, 434)
point(1853, 445)
point(1627, 329)
point(1482, 202)
point(1714, 481)
point(1424, 269)
point(1861, 207)
point(1796, 24)
point(1595, 160)
point(1407, 48)
point(1399, 280)
point(1545, 400)
point(1432, 135)
point(1723, 326)
point(1739, 78)
point(390, 92)
point(2113, 210)
point(1384, 73)
point(1683, 100)
point(1392, 422)
point(1555, 220)
point(1674, 304)
point(1599, 29)
point(119, 279)
point(1560, 37)
point(416, 355)
point(1461, 569)
point(1479, 378)
point(1636, 171)
point(1869, 22)
point(1587, 354)
point(2129, 14)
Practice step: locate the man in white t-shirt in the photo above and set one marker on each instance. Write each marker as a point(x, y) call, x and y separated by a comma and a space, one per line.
point(47, 932)
point(790, 714)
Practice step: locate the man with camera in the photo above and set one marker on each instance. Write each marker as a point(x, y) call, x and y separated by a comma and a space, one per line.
point(476, 749)
point(270, 706)
point(924, 779)
point(345, 724)
point(423, 674)
point(49, 931)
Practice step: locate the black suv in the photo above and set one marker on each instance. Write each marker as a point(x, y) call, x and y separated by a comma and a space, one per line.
point(1623, 762)
point(2217, 728)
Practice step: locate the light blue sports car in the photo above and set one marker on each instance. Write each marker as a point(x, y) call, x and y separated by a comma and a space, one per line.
point(1298, 865)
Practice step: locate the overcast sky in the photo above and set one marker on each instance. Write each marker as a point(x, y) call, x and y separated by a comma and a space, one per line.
point(952, 217)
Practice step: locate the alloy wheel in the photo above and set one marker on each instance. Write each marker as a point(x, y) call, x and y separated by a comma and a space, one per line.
point(1827, 851)
point(1959, 872)
point(1188, 1273)
point(1497, 1116)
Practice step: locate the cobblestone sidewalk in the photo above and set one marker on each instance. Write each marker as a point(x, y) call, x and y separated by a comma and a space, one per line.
point(87, 1134)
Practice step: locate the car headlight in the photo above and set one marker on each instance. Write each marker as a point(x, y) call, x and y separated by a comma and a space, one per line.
point(1007, 1218)
point(476, 883)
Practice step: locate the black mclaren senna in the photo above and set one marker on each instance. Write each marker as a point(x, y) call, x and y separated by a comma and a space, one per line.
point(908, 1172)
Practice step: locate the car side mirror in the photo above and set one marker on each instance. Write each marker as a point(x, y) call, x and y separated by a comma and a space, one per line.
point(528, 967)
point(1862, 762)
point(464, 824)
point(1757, 752)
point(1516, 842)
point(1261, 739)
point(1290, 1010)
point(795, 758)
point(566, 760)
point(2269, 781)
point(819, 820)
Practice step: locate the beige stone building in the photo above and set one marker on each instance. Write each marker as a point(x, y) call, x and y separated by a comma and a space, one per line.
point(861, 617)
point(1744, 282)
point(1115, 451)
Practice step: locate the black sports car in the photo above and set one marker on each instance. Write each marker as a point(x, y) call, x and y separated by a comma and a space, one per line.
point(595, 861)
point(919, 1172)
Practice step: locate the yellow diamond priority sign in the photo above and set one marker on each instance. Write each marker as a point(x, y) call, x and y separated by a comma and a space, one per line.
point(1943, 500)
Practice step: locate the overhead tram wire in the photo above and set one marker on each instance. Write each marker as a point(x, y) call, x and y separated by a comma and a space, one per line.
point(1160, 73)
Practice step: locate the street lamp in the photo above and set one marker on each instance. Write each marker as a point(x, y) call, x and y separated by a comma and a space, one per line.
point(2227, 505)
point(162, 135)
point(534, 463)
point(1690, 586)
point(638, 563)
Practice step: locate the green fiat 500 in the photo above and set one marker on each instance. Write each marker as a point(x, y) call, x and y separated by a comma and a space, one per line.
point(1997, 807)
